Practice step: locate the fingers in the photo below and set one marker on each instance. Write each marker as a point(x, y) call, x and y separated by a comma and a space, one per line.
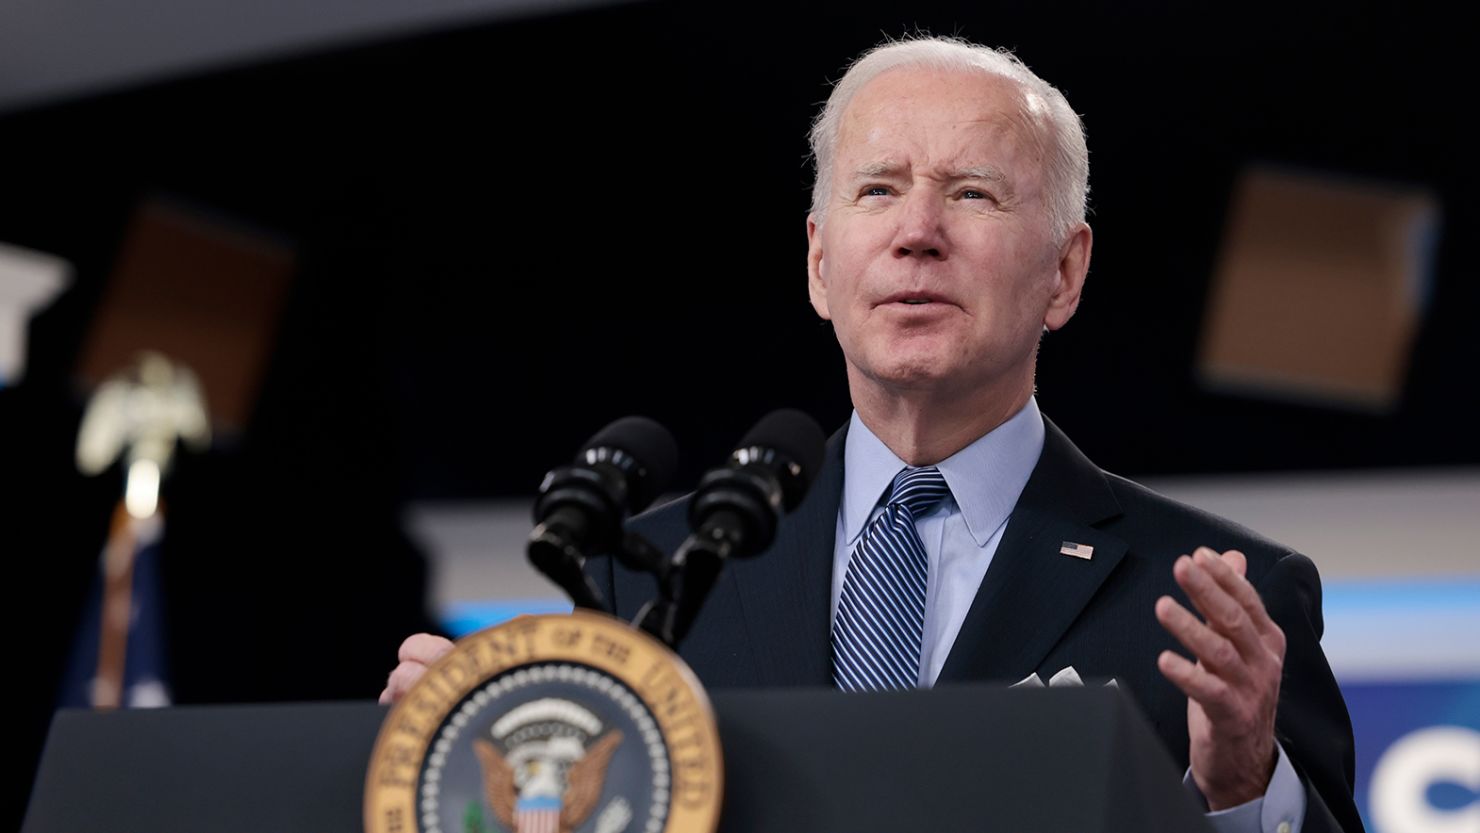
point(1228, 571)
point(1233, 686)
point(1211, 648)
point(1208, 689)
point(1214, 589)
point(401, 680)
point(1236, 645)
point(415, 654)
point(423, 648)
point(1237, 561)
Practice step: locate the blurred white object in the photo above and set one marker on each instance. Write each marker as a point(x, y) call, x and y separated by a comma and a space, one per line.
point(141, 495)
point(1417, 761)
point(28, 281)
point(140, 412)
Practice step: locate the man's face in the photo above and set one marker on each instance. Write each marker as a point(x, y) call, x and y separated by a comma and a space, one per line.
point(936, 261)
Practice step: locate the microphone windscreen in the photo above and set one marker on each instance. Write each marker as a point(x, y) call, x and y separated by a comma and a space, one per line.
point(794, 434)
point(647, 442)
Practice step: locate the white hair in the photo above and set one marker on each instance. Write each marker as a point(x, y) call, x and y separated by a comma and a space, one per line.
point(1067, 159)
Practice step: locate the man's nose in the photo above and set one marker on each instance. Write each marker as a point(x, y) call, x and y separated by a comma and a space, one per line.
point(921, 231)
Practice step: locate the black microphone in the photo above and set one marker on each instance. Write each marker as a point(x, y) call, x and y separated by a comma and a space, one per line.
point(734, 514)
point(737, 506)
point(581, 507)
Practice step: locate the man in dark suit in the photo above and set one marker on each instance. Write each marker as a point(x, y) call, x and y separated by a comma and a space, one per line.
point(946, 234)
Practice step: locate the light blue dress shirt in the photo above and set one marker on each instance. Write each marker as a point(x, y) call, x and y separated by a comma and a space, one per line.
point(961, 536)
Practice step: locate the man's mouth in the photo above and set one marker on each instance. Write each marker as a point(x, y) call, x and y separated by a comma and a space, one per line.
point(915, 299)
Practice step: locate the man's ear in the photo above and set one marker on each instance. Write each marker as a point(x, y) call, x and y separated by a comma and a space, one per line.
point(816, 282)
point(1072, 268)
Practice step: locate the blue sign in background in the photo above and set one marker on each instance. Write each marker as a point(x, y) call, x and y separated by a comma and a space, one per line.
point(1383, 714)
point(1407, 654)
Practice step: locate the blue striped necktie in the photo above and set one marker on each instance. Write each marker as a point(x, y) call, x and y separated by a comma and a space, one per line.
point(880, 623)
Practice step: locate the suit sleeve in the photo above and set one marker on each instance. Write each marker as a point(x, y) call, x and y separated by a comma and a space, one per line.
point(1312, 723)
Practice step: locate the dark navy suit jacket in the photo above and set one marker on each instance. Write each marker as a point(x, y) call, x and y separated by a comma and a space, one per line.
point(767, 621)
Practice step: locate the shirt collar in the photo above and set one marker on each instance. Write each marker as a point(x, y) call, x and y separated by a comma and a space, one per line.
point(986, 477)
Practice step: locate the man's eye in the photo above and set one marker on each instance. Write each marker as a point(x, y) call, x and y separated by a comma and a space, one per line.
point(875, 191)
point(974, 194)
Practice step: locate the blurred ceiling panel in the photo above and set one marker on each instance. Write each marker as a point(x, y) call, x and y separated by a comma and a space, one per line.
point(53, 50)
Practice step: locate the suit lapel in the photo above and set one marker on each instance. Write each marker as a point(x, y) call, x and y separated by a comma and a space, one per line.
point(1032, 593)
point(786, 592)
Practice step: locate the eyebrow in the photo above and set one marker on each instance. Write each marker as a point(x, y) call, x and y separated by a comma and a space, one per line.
point(984, 172)
point(870, 170)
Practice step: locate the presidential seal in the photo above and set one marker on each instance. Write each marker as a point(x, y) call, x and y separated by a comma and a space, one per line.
point(549, 724)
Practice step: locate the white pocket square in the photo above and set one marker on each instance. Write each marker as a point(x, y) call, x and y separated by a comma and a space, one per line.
point(1066, 676)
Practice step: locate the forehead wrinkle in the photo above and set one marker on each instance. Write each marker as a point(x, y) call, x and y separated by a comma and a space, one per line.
point(1002, 132)
point(944, 171)
point(1009, 124)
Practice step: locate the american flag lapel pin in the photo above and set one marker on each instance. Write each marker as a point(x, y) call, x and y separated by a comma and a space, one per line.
point(1084, 551)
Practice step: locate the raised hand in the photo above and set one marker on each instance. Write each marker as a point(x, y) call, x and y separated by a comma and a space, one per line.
point(1234, 686)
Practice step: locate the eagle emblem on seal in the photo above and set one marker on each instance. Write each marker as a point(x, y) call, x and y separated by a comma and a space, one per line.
point(544, 768)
